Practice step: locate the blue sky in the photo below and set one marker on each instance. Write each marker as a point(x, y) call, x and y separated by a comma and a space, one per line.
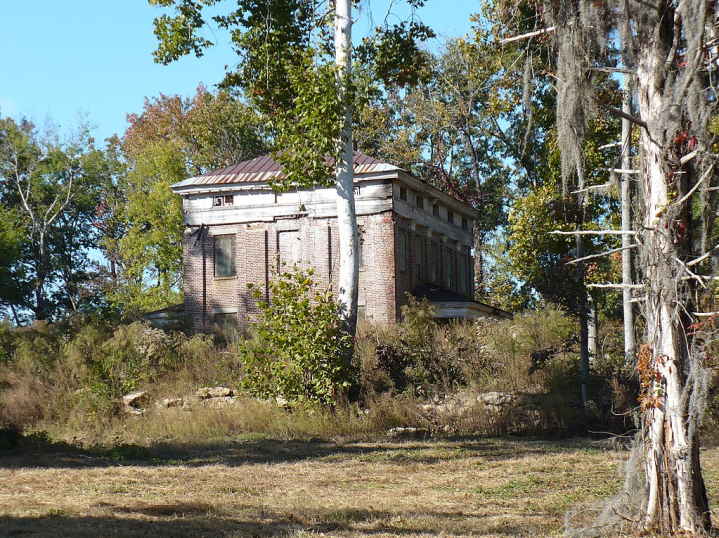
point(65, 59)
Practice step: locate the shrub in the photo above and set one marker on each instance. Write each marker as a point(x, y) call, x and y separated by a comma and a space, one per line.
point(298, 351)
point(420, 351)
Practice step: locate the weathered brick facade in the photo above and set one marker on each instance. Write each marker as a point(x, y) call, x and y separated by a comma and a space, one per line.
point(411, 236)
point(256, 259)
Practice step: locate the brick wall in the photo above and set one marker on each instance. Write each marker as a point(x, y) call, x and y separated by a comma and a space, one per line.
point(418, 246)
point(256, 258)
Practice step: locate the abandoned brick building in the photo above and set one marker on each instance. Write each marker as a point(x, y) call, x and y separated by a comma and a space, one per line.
point(413, 238)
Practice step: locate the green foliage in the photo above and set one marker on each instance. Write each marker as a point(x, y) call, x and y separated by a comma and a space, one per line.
point(541, 259)
point(394, 54)
point(415, 358)
point(142, 230)
point(445, 130)
point(150, 248)
point(14, 285)
point(308, 133)
point(287, 70)
point(49, 190)
point(298, 351)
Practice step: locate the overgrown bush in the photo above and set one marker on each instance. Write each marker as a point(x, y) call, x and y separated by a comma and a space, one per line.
point(484, 355)
point(419, 352)
point(75, 371)
point(298, 351)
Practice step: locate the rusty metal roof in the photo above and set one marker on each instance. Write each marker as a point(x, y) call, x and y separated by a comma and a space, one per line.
point(263, 169)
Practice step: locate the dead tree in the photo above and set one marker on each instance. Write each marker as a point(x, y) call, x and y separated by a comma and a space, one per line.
point(669, 45)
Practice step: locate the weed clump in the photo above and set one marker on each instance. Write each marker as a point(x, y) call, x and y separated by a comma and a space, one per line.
point(455, 377)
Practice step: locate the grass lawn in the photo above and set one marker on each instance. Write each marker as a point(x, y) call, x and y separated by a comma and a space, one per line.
point(485, 487)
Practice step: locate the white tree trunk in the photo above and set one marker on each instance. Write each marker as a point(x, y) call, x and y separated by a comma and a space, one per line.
point(585, 332)
point(592, 330)
point(346, 214)
point(630, 341)
point(676, 497)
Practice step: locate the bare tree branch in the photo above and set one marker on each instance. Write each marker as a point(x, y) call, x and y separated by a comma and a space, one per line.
point(607, 253)
point(696, 186)
point(543, 31)
point(593, 188)
point(619, 112)
point(593, 232)
point(703, 257)
point(688, 157)
point(617, 286)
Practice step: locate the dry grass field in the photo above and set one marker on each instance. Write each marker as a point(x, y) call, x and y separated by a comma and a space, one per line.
point(487, 487)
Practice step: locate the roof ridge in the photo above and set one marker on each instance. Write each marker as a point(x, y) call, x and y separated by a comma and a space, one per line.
point(264, 167)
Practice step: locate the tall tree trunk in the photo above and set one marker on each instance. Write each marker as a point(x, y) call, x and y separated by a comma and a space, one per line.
point(592, 330)
point(585, 301)
point(630, 341)
point(676, 497)
point(346, 214)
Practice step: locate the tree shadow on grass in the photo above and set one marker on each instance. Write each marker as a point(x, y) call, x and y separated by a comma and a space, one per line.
point(38, 450)
point(196, 521)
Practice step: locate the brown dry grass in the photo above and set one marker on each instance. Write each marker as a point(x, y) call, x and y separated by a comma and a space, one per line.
point(478, 487)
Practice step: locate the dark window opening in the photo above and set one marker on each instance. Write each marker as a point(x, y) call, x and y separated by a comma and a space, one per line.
point(448, 269)
point(465, 224)
point(418, 257)
point(463, 274)
point(450, 217)
point(226, 326)
point(402, 249)
point(403, 194)
point(420, 202)
point(435, 210)
point(223, 200)
point(434, 262)
point(360, 247)
point(225, 255)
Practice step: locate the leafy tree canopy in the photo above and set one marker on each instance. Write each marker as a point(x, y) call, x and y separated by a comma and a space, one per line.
point(49, 191)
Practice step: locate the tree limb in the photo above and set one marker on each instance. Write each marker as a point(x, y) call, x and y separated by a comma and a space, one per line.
point(607, 253)
point(612, 145)
point(688, 157)
point(593, 232)
point(619, 112)
point(613, 70)
point(696, 185)
point(593, 188)
point(617, 286)
point(543, 31)
point(620, 170)
point(702, 257)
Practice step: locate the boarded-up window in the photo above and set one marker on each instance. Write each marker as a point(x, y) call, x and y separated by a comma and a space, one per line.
point(402, 249)
point(289, 247)
point(418, 257)
point(225, 255)
point(434, 262)
point(463, 274)
point(226, 326)
point(448, 269)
